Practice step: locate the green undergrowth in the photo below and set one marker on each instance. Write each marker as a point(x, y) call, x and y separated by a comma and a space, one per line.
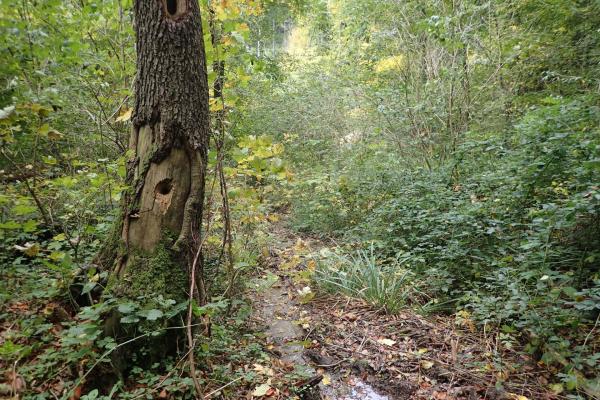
point(362, 275)
point(507, 232)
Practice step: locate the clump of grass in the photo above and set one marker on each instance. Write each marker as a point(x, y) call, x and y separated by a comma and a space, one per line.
point(361, 275)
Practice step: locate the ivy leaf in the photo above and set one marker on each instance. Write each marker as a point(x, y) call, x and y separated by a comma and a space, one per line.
point(126, 308)
point(130, 319)
point(151, 315)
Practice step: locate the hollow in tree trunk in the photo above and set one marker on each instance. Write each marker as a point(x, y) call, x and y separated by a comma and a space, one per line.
point(167, 154)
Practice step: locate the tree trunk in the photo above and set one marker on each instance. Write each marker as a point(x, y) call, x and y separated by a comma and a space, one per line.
point(167, 153)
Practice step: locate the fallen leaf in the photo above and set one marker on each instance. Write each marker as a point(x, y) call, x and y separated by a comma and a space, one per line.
point(517, 397)
point(387, 342)
point(262, 390)
point(426, 364)
point(351, 317)
point(326, 379)
point(30, 249)
point(77, 393)
point(440, 395)
point(263, 370)
point(53, 134)
point(17, 382)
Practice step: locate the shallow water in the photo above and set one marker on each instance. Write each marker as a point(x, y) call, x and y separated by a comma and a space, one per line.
point(279, 312)
point(359, 390)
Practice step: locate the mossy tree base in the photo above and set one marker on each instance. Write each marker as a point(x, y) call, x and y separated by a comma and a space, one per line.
point(160, 226)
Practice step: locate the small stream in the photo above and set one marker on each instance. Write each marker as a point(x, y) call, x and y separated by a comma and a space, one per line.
point(279, 310)
point(358, 391)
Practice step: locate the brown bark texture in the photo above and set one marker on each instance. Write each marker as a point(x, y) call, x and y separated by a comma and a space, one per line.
point(170, 124)
point(170, 134)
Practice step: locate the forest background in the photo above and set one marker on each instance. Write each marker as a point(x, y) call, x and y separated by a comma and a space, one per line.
point(452, 146)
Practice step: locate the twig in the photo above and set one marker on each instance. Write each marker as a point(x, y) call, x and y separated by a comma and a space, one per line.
point(222, 387)
point(592, 331)
point(190, 336)
point(335, 364)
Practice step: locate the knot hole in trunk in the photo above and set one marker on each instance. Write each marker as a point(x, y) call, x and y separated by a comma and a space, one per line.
point(164, 187)
point(163, 192)
point(175, 8)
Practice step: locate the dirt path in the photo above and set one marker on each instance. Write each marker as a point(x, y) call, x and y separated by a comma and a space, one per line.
point(279, 307)
point(337, 348)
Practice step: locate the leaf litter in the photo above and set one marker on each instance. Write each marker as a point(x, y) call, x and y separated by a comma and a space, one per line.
point(356, 351)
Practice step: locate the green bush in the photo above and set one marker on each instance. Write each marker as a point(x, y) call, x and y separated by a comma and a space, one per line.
point(509, 230)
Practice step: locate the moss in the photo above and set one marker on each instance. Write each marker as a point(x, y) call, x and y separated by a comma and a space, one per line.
point(111, 248)
point(150, 274)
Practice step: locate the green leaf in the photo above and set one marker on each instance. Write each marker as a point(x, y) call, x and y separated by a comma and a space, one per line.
point(88, 287)
point(130, 319)
point(126, 308)
point(153, 315)
point(23, 209)
point(10, 225)
point(30, 226)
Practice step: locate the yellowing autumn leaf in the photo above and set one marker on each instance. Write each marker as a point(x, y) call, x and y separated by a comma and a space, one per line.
point(393, 63)
point(326, 379)
point(426, 364)
point(53, 134)
point(30, 249)
point(517, 397)
point(124, 115)
point(216, 106)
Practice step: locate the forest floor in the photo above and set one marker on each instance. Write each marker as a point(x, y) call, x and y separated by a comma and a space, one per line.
point(345, 349)
point(313, 345)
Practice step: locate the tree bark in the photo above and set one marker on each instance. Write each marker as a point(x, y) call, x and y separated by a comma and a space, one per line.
point(167, 152)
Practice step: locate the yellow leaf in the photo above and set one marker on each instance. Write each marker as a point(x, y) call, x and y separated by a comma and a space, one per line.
point(426, 364)
point(124, 115)
point(30, 249)
point(216, 106)
point(390, 64)
point(326, 379)
point(53, 134)
point(517, 397)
